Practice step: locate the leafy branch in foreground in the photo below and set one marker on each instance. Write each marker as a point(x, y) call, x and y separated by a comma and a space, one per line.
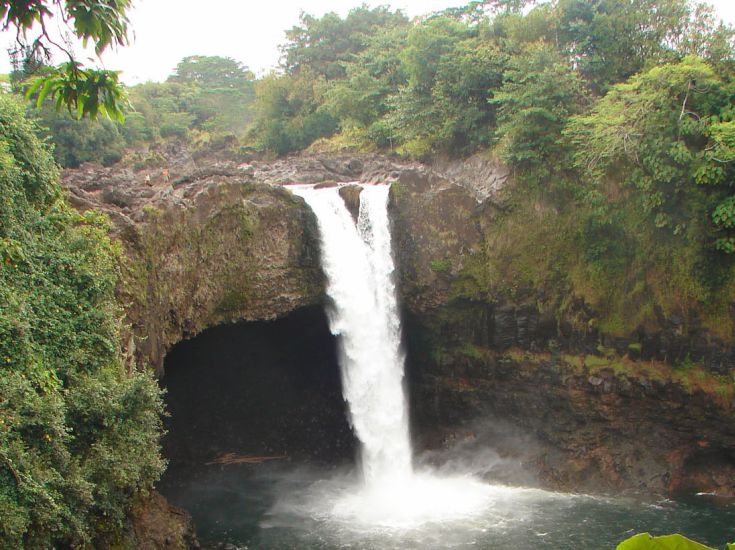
point(89, 92)
point(644, 541)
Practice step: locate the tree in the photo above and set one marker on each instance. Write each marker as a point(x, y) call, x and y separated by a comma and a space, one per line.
point(513, 32)
point(225, 91)
point(290, 112)
point(451, 69)
point(81, 90)
point(611, 40)
point(168, 108)
point(539, 94)
point(323, 77)
point(77, 141)
point(706, 38)
point(79, 435)
point(213, 72)
point(361, 97)
point(476, 11)
point(667, 133)
point(324, 44)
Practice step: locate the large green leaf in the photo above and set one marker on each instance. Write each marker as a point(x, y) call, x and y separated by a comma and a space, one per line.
point(645, 541)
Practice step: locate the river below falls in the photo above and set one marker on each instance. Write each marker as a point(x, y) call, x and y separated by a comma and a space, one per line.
point(277, 506)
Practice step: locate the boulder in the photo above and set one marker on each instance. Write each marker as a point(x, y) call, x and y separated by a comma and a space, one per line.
point(351, 196)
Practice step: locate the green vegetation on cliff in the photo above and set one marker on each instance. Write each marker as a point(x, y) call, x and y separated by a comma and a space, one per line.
point(78, 429)
point(615, 117)
point(637, 221)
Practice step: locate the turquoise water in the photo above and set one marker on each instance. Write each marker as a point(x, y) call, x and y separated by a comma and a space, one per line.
point(277, 507)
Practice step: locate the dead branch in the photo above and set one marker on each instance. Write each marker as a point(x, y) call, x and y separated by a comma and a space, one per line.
point(233, 458)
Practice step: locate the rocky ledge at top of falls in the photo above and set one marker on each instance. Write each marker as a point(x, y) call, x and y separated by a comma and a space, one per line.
point(211, 240)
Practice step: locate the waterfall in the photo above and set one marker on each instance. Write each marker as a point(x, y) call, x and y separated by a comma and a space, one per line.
point(363, 313)
point(358, 264)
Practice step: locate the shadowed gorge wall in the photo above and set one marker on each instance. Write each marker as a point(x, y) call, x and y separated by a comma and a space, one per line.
point(257, 389)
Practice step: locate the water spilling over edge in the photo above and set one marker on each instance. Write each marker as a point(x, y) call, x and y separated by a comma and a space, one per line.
point(357, 261)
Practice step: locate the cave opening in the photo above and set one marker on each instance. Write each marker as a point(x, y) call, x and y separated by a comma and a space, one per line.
point(244, 400)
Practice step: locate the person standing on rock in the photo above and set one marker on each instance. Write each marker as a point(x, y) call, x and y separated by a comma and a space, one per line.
point(165, 175)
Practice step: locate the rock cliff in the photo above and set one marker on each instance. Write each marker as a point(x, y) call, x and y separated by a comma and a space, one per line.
point(603, 414)
point(222, 241)
point(214, 242)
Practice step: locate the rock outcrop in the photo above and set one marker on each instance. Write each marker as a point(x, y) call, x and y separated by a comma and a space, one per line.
point(597, 422)
point(483, 176)
point(214, 241)
point(437, 234)
point(210, 253)
point(351, 196)
point(603, 413)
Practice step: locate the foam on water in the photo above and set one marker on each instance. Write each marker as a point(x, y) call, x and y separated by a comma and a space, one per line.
point(414, 501)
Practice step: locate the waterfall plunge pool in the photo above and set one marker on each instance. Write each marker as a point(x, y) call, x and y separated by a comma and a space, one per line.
point(277, 507)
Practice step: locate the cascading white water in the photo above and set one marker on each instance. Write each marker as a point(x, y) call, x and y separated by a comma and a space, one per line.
point(357, 261)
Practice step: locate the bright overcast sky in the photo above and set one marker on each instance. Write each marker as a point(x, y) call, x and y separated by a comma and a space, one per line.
point(165, 31)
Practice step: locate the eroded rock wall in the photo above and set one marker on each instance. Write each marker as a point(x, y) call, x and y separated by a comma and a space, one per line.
point(207, 241)
point(596, 413)
point(216, 251)
point(241, 252)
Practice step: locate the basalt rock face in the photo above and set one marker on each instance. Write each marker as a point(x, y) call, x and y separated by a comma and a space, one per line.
point(437, 234)
point(222, 241)
point(213, 241)
point(235, 251)
point(585, 422)
point(594, 413)
point(351, 196)
point(442, 229)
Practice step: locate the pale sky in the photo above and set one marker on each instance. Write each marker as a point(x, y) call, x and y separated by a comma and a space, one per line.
point(165, 31)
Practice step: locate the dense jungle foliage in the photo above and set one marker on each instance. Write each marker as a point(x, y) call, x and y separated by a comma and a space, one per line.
point(449, 83)
point(615, 116)
point(205, 97)
point(78, 432)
